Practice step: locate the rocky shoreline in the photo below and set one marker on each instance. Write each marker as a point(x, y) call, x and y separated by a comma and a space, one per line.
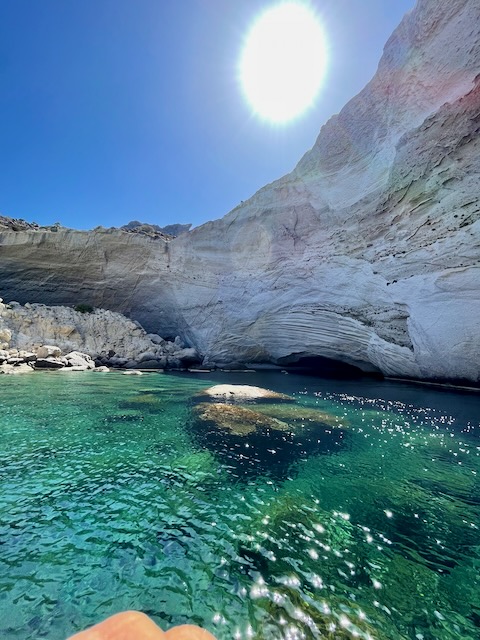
point(38, 337)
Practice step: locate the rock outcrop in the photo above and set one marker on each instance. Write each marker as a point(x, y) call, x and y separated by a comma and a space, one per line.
point(153, 230)
point(60, 337)
point(368, 253)
point(240, 421)
point(237, 393)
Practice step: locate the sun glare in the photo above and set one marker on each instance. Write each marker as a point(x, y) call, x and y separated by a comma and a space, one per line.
point(283, 62)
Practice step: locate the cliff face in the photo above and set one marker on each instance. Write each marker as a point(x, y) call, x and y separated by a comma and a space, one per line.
point(106, 335)
point(367, 253)
point(108, 269)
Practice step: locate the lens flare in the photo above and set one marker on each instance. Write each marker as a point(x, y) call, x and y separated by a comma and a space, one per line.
point(283, 63)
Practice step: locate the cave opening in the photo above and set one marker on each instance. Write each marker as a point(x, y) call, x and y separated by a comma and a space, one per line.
point(322, 367)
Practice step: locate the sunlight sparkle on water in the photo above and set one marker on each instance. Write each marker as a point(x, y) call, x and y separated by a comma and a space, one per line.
point(353, 536)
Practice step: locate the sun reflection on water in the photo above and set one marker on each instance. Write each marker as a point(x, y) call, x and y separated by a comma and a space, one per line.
point(111, 500)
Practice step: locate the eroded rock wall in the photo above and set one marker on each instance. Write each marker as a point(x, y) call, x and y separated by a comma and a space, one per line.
point(109, 269)
point(368, 252)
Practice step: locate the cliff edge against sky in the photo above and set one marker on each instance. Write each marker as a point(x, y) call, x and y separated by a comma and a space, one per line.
point(367, 253)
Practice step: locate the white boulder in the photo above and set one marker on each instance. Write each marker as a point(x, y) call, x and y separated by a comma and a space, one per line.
point(10, 369)
point(79, 361)
point(48, 350)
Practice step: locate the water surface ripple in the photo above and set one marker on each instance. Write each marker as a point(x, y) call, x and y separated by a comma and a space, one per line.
point(361, 520)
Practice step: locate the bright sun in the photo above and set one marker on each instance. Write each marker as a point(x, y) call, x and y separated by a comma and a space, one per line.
point(283, 62)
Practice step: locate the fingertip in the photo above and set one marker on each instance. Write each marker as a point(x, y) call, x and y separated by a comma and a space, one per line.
point(123, 626)
point(188, 632)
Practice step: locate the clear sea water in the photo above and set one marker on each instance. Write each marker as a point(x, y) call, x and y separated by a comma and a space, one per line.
point(360, 521)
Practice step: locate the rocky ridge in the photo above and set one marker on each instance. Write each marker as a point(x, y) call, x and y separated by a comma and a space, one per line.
point(154, 231)
point(368, 253)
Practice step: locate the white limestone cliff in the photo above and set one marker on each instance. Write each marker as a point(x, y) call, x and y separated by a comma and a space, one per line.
point(367, 253)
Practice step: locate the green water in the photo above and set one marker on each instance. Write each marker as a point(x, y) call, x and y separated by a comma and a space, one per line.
point(111, 499)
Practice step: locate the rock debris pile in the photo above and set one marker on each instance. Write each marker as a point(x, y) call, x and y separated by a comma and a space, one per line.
point(35, 336)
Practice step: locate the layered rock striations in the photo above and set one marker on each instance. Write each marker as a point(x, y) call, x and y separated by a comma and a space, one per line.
point(367, 253)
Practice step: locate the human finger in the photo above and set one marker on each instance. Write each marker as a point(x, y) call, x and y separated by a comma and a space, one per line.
point(188, 632)
point(128, 625)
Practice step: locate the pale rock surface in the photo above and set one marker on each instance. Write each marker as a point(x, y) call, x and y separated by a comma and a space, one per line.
point(27, 356)
point(10, 369)
point(47, 350)
point(242, 393)
point(51, 331)
point(5, 337)
point(69, 331)
point(367, 253)
point(79, 361)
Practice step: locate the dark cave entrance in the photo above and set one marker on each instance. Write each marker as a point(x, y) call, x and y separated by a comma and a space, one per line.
point(321, 367)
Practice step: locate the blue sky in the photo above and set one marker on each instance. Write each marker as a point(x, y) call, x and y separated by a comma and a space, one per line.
point(113, 110)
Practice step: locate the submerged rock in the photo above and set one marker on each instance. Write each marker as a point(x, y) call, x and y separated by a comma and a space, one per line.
point(294, 414)
point(242, 393)
point(123, 418)
point(142, 400)
point(250, 443)
point(234, 419)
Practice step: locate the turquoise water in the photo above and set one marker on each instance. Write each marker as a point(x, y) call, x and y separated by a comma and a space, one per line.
point(363, 523)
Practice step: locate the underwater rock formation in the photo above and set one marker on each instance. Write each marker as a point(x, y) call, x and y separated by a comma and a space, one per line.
point(239, 421)
point(367, 253)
